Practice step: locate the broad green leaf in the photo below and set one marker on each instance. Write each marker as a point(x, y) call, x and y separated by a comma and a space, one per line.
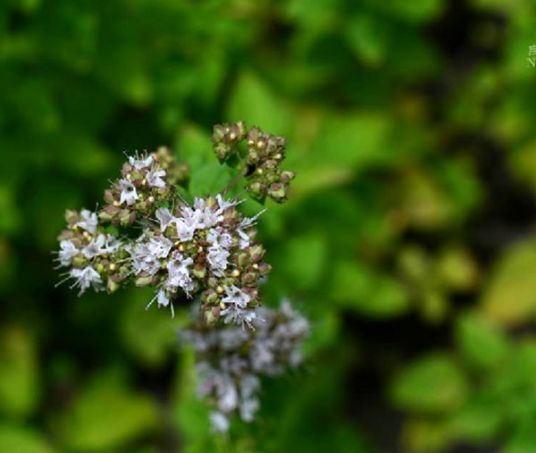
point(434, 383)
point(433, 305)
point(369, 38)
point(415, 11)
point(19, 373)
point(480, 340)
point(190, 414)
point(355, 140)
point(303, 260)
point(479, 419)
point(523, 439)
point(20, 439)
point(10, 219)
point(357, 287)
point(456, 269)
point(424, 436)
point(523, 163)
point(106, 415)
point(207, 175)
point(253, 101)
point(510, 295)
point(423, 202)
point(150, 334)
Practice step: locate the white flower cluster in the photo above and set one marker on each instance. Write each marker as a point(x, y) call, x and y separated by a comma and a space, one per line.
point(147, 181)
point(195, 247)
point(204, 251)
point(83, 249)
point(232, 360)
point(153, 177)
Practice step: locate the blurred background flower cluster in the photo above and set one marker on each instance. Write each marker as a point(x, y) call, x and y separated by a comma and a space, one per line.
point(408, 241)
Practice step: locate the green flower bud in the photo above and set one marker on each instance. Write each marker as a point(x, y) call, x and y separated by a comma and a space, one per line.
point(80, 261)
point(143, 281)
point(199, 271)
point(278, 192)
point(243, 259)
point(256, 252)
point(287, 176)
point(111, 286)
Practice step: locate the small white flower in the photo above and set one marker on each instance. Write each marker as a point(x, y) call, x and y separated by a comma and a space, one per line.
point(219, 237)
point(225, 204)
point(203, 216)
point(227, 394)
point(85, 278)
point(112, 244)
point(89, 221)
point(199, 216)
point(244, 239)
point(128, 192)
point(248, 408)
point(159, 246)
point(185, 226)
point(186, 229)
point(261, 354)
point(235, 296)
point(236, 310)
point(95, 247)
point(147, 254)
point(154, 178)
point(219, 422)
point(218, 252)
point(140, 164)
point(165, 218)
point(249, 404)
point(178, 273)
point(217, 258)
point(162, 299)
point(67, 252)
point(101, 245)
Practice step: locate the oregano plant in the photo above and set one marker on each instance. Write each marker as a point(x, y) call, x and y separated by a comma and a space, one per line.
point(201, 256)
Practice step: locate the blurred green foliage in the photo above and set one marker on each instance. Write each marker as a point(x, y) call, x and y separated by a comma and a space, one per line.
point(408, 241)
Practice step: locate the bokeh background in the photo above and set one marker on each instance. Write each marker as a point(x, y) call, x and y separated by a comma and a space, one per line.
point(409, 240)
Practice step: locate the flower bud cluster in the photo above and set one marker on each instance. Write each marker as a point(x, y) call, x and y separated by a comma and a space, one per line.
point(261, 159)
point(146, 181)
point(231, 361)
point(226, 138)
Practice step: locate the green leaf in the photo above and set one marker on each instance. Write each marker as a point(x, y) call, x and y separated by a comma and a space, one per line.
point(354, 140)
point(478, 419)
point(10, 219)
point(303, 260)
point(369, 38)
point(159, 329)
point(523, 439)
point(482, 343)
point(357, 287)
point(106, 415)
point(207, 175)
point(457, 269)
point(414, 11)
point(19, 380)
point(425, 435)
point(22, 440)
point(510, 295)
point(434, 383)
point(190, 413)
point(523, 163)
point(253, 101)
